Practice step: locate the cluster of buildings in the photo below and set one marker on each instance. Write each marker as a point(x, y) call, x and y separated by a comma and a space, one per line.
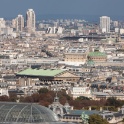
point(18, 25)
point(66, 113)
point(85, 59)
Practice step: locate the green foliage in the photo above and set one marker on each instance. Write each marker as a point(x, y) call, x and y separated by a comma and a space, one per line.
point(43, 90)
point(95, 107)
point(114, 102)
point(97, 119)
point(86, 108)
point(123, 120)
point(110, 108)
point(13, 97)
point(4, 98)
point(83, 98)
point(46, 97)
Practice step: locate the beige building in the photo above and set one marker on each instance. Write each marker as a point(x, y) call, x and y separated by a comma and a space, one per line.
point(97, 56)
point(75, 92)
point(77, 55)
point(26, 77)
point(19, 23)
point(30, 20)
point(71, 118)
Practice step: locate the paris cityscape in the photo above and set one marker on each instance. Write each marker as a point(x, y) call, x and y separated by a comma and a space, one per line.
point(62, 70)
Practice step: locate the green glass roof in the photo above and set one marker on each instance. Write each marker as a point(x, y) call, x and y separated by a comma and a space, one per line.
point(40, 72)
point(96, 54)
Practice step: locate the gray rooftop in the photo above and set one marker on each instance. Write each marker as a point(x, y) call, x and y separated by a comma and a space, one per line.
point(77, 50)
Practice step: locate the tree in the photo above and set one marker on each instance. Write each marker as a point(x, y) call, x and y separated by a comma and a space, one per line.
point(83, 98)
point(97, 119)
point(28, 99)
point(13, 97)
point(43, 90)
point(4, 98)
point(113, 102)
point(35, 97)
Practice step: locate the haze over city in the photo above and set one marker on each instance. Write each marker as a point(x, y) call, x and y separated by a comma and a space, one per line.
point(53, 9)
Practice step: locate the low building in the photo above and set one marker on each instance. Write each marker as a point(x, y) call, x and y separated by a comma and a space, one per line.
point(75, 92)
point(106, 95)
point(97, 56)
point(76, 55)
point(4, 89)
point(113, 117)
point(75, 115)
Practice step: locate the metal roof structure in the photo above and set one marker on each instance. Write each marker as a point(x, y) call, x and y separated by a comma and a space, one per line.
point(96, 54)
point(40, 72)
point(77, 50)
point(26, 113)
point(79, 112)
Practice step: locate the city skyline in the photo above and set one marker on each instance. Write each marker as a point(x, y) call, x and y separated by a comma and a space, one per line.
point(54, 9)
point(66, 55)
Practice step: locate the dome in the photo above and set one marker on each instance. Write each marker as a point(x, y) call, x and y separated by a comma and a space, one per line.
point(13, 113)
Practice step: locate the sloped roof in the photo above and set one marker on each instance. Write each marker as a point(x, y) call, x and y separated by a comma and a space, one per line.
point(79, 112)
point(40, 72)
point(96, 54)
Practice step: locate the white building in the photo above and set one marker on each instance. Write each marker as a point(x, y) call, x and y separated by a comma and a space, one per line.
point(116, 30)
point(19, 23)
point(4, 89)
point(52, 30)
point(7, 31)
point(121, 31)
point(105, 24)
point(14, 23)
point(30, 20)
point(2, 25)
point(60, 30)
point(79, 91)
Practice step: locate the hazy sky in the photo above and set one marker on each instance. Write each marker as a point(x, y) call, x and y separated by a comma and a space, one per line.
point(11, 8)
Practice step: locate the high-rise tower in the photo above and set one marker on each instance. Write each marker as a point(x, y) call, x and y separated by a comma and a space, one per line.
point(19, 23)
point(2, 23)
point(105, 24)
point(30, 20)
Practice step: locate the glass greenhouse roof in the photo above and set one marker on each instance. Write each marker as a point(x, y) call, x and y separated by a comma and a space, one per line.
point(12, 113)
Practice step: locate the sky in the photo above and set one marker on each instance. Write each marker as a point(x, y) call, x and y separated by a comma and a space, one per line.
point(61, 8)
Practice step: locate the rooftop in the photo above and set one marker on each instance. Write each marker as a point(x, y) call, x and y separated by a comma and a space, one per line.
point(77, 50)
point(79, 112)
point(97, 54)
point(40, 72)
point(25, 113)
